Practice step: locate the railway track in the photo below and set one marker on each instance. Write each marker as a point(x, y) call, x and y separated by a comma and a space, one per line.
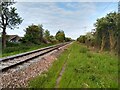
point(10, 62)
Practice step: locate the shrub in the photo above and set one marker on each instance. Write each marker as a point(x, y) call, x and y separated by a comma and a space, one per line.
point(11, 44)
point(83, 50)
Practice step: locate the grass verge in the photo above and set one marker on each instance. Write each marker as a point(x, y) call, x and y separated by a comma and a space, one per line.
point(8, 51)
point(84, 69)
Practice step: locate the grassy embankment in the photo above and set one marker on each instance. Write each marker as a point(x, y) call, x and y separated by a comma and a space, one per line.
point(84, 69)
point(21, 48)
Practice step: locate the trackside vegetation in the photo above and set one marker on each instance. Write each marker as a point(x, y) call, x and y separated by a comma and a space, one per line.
point(106, 35)
point(15, 48)
point(84, 69)
point(35, 37)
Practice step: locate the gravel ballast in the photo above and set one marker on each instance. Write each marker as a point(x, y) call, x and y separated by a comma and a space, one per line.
point(19, 78)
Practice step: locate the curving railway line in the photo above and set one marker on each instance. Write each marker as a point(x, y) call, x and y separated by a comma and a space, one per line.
point(10, 62)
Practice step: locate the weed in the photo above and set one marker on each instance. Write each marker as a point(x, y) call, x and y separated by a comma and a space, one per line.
point(89, 54)
point(83, 50)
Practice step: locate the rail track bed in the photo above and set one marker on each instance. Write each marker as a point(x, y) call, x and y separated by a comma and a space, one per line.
point(19, 75)
point(13, 61)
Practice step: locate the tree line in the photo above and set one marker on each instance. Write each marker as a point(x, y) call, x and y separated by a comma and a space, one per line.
point(36, 34)
point(106, 35)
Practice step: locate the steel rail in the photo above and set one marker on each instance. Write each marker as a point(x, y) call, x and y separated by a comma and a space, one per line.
point(27, 53)
point(52, 48)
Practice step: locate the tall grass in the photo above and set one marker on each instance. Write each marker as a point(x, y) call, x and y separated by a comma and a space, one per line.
point(48, 79)
point(85, 69)
point(13, 49)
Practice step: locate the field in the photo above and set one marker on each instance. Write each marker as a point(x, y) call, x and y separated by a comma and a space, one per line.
point(81, 68)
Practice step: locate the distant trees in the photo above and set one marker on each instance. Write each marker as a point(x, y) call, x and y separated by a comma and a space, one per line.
point(60, 36)
point(53, 39)
point(81, 39)
point(36, 34)
point(87, 39)
point(67, 39)
point(107, 33)
point(8, 18)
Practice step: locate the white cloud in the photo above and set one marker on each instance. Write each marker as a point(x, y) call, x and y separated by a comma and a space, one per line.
point(54, 17)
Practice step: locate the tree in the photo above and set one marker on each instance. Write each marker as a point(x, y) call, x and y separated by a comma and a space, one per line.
point(53, 39)
point(60, 36)
point(118, 32)
point(106, 35)
point(82, 39)
point(88, 39)
point(41, 32)
point(107, 32)
point(32, 34)
point(102, 33)
point(67, 39)
point(112, 29)
point(8, 18)
point(0, 45)
point(47, 35)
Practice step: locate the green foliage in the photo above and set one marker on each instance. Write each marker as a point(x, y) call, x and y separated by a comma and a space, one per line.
point(41, 32)
point(0, 46)
point(106, 31)
point(88, 39)
point(102, 32)
point(9, 15)
point(118, 34)
point(53, 39)
point(106, 35)
point(47, 35)
point(9, 18)
point(67, 39)
point(33, 34)
point(81, 39)
point(60, 36)
point(14, 48)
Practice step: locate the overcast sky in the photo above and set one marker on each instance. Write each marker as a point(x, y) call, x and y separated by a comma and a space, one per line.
point(74, 18)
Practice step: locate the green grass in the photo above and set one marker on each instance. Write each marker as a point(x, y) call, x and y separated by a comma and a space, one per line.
point(84, 69)
point(48, 79)
point(21, 48)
